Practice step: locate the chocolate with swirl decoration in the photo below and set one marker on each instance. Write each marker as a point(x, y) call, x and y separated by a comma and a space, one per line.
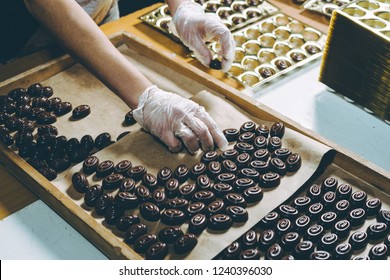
point(303, 250)
point(170, 234)
point(247, 137)
point(379, 252)
point(266, 239)
point(181, 173)
point(248, 126)
point(172, 217)
point(277, 129)
point(358, 240)
point(232, 251)
point(231, 134)
point(343, 191)
point(237, 213)
point(219, 222)
point(90, 164)
point(163, 175)
point(293, 162)
point(262, 130)
point(278, 166)
point(157, 251)
point(329, 184)
point(372, 207)
point(136, 172)
point(195, 208)
point(185, 243)
point(209, 156)
point(253, 194)
point(203, 182)
point(196, 170)
point(274, 143)
point(290, 240)
point(342, 251)
point(214, 168)
point(112, 181)
point(269, 180)
point(123, 166)
point(197, 224)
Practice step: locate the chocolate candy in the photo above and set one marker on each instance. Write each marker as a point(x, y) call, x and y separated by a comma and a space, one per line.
point(283, 226)
point(219, 222)
point(274, 143)
point(357, 217)
point(80, 182)
point(241, 184)
point(215, 207)
point(329, 184)
point(13, 123)
point(237, 213)
point(282, 64)
point(46, 91)
point(314, 192)
point(23, 110)
point(159, 198)
point(275, 252)
point(134, 232)
point(250, 254)
point(102, 140)
point(277, 129)
point(262, 130)
point(39, 102)
point(136, 172)
point(197, 224)
point(142, 193)
point(361, 258)
point(253, 194)
point(247, 137)
point(301, 224)
point(260, 142)
point(112, 181)
point(248, 173)
point(287, 211)
point(4, 117)
point(185, 243)
point(269, 221)
point(48, 172)
point(221, 189)
point(232, 251)
point(123, 166)
point(328, 200)
point(129, 118)
point(342, 208)
point(127, 185)
point(314, 233)
point(269, 180)
point(231, 134)
point(229, 154)
point(243, 147)
point(203, 182)
point(282, 153)
point(204, 196)
point(195, 208)
point(301, 203)
point(342, 228)
point(60, 164)
point(170, 234)
point(234, 199)
point(149, 181)
point(143, 242)
point(358, 240)
point(102, 203)
point(113, 213)
point(376, 231)
point(358, 199)
point(196, 170)
point(126, 200)
point(315, 210)
point(34, 89)
point(149, 211)
point(242, 160)
point(290, 240)
point(177, 203)
point(46, 118)
point(248, 126)
point(226, 178)
point(261, 155)
point(303, 250)
point(320, 255)
point(328, 219)
point(343, 191)
point(342, 251)
point(172, 188)
point(51, 103)
point(384, 217)
point(187, 191)
point(181, 173)
point(266, 239)
point(215, 64)
point(228, 166)
point(81, 111)
point(293, 162)
point(372, 207)
point(104, 168)
point(157, 251)
point(328, 242)
point(172, 217)
point(249, 240)
point(62, 108)
point(123, 134)
point(379, 252)
point(213, 169)
point(92, 194)
point(163, 175)
point(288, 258)
point(209, 156)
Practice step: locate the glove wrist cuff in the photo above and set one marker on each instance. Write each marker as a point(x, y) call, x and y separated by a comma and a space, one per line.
point(138, 112)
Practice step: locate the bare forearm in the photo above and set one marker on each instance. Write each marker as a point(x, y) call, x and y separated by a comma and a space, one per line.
point(79, 35)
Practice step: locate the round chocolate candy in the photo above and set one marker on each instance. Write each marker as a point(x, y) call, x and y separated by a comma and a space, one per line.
point(361, 258)
point(23, 111)
point(149, 211)
point(51, 103)
point(342, 251)
point(60, 142)
point(123, 166)
point(329, 184)
point(136, 172)
point(357, 217)
point(328, 200)
point(127, 185)
point(78, 155)
point(269, 180)
point(170, 234)
point(35, 89)
point(358, 240)
point(195, 208)
point(376, 231)
point(187, 191)
point(283, 226)
point(343, 192)
point(260, 142)
point(34, 112)
point(159, 198)
point(277, 129)
point(315, 210)
point(314, 233)
point(80, 182)
point(46, 91)
point(262, 130)
point(287, 211)
point(221, 189)
point(39, 102)
point(129, 118)
point(62, 108)
point(219, 222)
point(301, 203)
point(171, 188)
point(261, 167)
point(328, 219)
point(290, 240)
point(209, 156)
point(178, 203)
point(342, 208)
point(243, 147)
point(196, 170)
point(197, 224)
point(342, 228)
point(48, 172)
point(328, 242)
point(242, 160)
point(149, 181)
point(181, 173)
point(314, 192)
point(248, 126)
point(16, 93)
point(185, 243)
point(126, 200)
point(215, 207)
point(102, 140)
point(266, 239)
point(126, 221)
point(112, 181)
point(226, 178)
point(237, 213)
point(46, 118)
point(321, 255)
point(275, 252)
point(203, 196)
point(253, 194)
point(113, 214)
point(231, 134)
point(81, 111)
point(104, 168)
point(203, 182)
point(282, 64)
point(293, 162)
point(379, 252)
point(269, 221)
point(215, 64)
point(123, 134)
point(288, 258)
point(157, 251)
point(102, 203)
point(372, 207)
point(248, 173)
point(60, 164)
point(230, 154)
point(274, 143)
point(358, 199)
point(247, 137)
point(384, 217)
point(241, 184)
point(134, 232)
point(143, 242)
point(232, 251)
point(4, 117)
point(249, 254)
point(163, 175)
point(142, 193)
point(234, 199)
point(303, 250)
point(301, 224)
point(172, 217)
point(92, 194)
point(282, 153)
point(13, 123)
point(214, 168)
point(47, 129)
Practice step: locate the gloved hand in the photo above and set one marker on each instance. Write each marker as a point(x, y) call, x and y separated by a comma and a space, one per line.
point(172, 118)
point(194, 27)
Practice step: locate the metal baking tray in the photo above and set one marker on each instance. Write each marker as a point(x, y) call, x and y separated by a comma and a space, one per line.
point(325, 7)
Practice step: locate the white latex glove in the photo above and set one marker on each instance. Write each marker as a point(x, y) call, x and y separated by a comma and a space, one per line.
point(172, 118)
point(195, 27)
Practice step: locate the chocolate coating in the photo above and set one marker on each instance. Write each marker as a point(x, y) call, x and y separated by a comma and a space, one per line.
point(123, 166)
point(329, 184)
point(301, 203)
point(269, 180)
point(328, 242)
point(266, 239)
point(159, 198)
point(260, 142)
point(342, 228)
point(187, 191)
point(134, 232)
point(203, 196)
point(231, 134)
point(232, 251)
point(262, 130)
point(283, 226)
point(379, 252)
point(81, 111)
point(113, 214)
point(203, 182)
point(219, 222)
point(80, 182)
point(104, 168)
point(157, 251)
point(221, 189)
point(328, 200)
point(314, 192)
point(112, 181)
point(384, 217)
point(287, 211)
point(125, 222)
point(177, 203)
point(269, 221)
point(228, 166)
point(46, 118)
point(170, 234)
point(127, 185)
point(214, 168)
point(172, 217)
point(277, 129)
point(314, 233)
point(293, 162)
point(143, 243)
point(276, 165)
point(197, 224)
point(261, 154)
point(149, 211)
point(149, 181)
point(142, 193)
point(303, 250)
point(34, 89)
point(172, 188)
point(357, 217)
point(163, 175)
point(282, 153)
point(247, 137)
point(209, 156)
point(92, 194)
point(230, 154)
point(185, 243)
point(343, 191)
point(358, 199)
point(136, 172)
point(342, 251)
point(215, 207)
point(274, 143)
point(248, 126)
point(237, 213)
point(51, 103)
point(372, 206)
point(243, 147)
point(301, 224)
point(253, 194)
point(126, 200)
point(242, 160)
point(234, 199)
point(226, 178)
point(342, 208)
point(102, 203)
point(196, 170)
point(62, 108)
point(102, 140)
point(181, 173)
point(241, 184)
point(377, 231)
point(289, 240)
point(328, 219)
point(358, 240)
point(320, 255)
point(195, 208)
point(250, 254)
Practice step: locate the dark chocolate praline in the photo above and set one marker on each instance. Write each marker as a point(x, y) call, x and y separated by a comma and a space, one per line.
point(329, 184)
point(196, 170)
point(234, 199)
point(230, 154)
point(237, 213)
point(209, 156)
point(102, 203)
point(260, 142)
point(253, 194)
point(314, 233)
point(342, 228)
point(195, 208)
point(342, 251)
point(215, 207)
point(104, 168)
point(303, 250)
point(126, 221)
point(301, 203)
point(275, 252)
point(143, 242)
point(123, 166)
point(170, 234)
point(248, 126)
point(358, 199)
point(187, 191)
point(266, 239)
point(269, 180)
point(127, 185)
point(342, 208)
point(113, 214)
point(177, 203)
point(328, 219)
point(142, 193)
point(328, 200)
point(315, 211)
point(262, 130)
point(181, 173)
point(51, 103)
point(134, 232)
point(287, 211)
point(343, 191)
point(277, 129)
point(149, 181)
point(248, 173)
point(214, 168)
point(173, 217)
point(171, 188)
point(232, 251)
point(276, 165)
point(46, 118)
point(204, 196)
point(289, 240)
point(215, 64)
point(112, 181)
point(274, 143)
point(228, 166)
point(60, 164)
point(149, 211)
point(129, 118)
point(126, 200)
point(314, 192)
point(250, 254)
point(261, 167)
point(301, 224)
point(357, 217)
point(269, 221)
point(62, 108)
point(159, 198)
point(157, 251)
point(163, 175)
point(321, 255)
point(358, 240)
point(383, 216)
point(80, 182)
point(219, 222)
point(203, 182)
point(282, 153)
point(81, 111)
point(49, 173)
point(102, 140)
point(261, 154)
point(241, 184)
point(283, 226)
point(379, 252)
point(197, 224)
point(220, 189)
point(293, 162)
point(247, 137)
point(328, 242)
point(226, 178)
point(185, 243)
point(231, 134)
point(136, 172)
point(242, 160)
point(243, 147)
point(376, 231)
point(372, 206)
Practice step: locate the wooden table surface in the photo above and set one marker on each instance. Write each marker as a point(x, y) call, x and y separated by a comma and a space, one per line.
point(13, 194)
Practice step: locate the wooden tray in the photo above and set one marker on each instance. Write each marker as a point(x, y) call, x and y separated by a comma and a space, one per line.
point(369, 177)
